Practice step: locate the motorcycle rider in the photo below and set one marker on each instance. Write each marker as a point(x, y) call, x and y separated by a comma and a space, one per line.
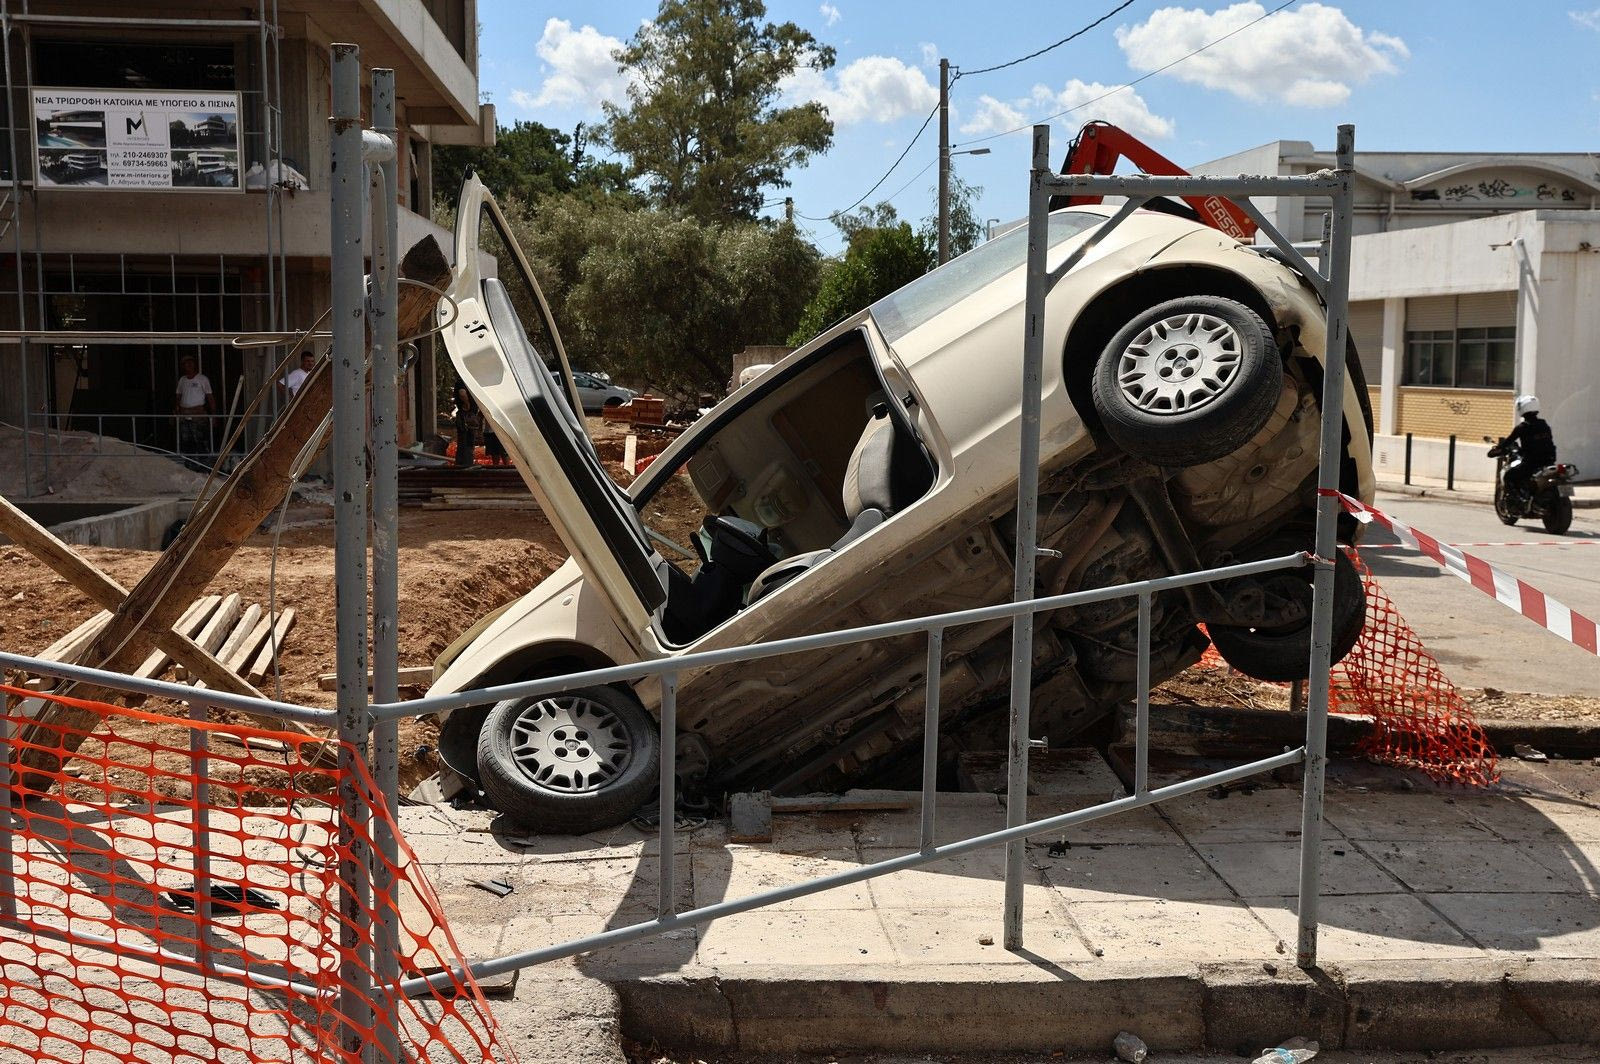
point(1533, 443)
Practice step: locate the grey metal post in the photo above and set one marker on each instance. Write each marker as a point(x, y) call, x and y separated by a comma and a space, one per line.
point(668, 856)
point(8, 882)
point(944, 162)
point(1141, 763)
point(930, 736)
point(384, 301)
point(1027, 537)
point(199, 755)
point(1333, 379)
point(350, 542)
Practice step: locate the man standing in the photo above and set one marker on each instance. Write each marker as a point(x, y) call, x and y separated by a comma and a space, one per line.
point(195, 405)
point(468, 426)
point(292, 380)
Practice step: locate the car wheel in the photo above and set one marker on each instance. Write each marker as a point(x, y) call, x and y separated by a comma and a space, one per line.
point(1188, 381)
point(569, 763)
point(613, 401)
point(1281, 655)
point(1558, 517)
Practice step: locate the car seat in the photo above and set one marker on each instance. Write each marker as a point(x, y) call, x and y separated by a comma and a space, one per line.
point(887, 471)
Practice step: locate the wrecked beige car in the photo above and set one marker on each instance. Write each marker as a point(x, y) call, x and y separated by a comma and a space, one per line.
point(871, 476)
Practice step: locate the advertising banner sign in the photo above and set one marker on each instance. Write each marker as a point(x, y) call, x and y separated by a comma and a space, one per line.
point(100, 139)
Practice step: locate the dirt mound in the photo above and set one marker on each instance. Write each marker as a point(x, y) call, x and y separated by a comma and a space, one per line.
point(81, 465)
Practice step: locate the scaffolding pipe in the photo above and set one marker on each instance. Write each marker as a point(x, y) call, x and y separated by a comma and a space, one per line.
point(1327, 546)
point(384, 295)
point(350, 541)
point(1027, 538)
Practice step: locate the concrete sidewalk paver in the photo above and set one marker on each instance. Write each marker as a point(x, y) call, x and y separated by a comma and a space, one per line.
point(1370, 927)
point(1564, 925)
point(802, 939)
point(1487, 865)
point(1106, 873)
point(1161, 931)
point(972, 936)
point(1272, 869)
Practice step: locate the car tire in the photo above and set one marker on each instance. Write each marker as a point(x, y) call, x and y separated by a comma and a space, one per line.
point(1281, 656)
point(1188, 381)
point(1558, 518)
point(613, 401)
point(538, 763)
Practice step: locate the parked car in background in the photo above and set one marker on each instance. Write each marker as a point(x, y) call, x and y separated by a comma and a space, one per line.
point(871, 476)
point(596, 392)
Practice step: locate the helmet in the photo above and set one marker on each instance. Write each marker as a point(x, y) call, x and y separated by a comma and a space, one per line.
point(1526, 404)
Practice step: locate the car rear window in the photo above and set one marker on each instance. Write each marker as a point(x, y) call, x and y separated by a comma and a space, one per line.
point(922, 299)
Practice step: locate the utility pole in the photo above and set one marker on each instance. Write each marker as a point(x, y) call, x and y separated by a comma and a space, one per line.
point(944, 161)
point(788, 209)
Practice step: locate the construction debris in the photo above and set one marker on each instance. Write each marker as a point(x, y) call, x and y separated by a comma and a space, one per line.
point(409, 676)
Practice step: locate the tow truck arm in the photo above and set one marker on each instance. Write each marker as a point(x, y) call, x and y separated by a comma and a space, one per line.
point(1098, 146)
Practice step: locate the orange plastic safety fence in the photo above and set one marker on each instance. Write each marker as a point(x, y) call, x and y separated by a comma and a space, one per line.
point(1419, 718)
point(160, 904)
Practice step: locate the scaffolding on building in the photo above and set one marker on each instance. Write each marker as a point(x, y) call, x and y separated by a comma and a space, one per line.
point(45, 417)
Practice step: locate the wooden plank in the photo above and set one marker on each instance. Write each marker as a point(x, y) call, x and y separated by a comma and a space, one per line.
point(247, 646)
point(193, 619)
point(237, 632)
point(249, 496)
point(70, 645)
point(408, 676)
point(106, 592)
point(216, 630)
point(263, 663)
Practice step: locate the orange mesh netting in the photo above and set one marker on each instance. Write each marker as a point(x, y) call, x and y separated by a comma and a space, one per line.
point(107, 953)
point(1419, 718)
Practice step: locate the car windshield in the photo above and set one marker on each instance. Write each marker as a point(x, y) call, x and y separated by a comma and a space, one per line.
point(957, 279)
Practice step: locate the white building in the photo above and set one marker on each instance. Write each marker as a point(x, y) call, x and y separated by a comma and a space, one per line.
point(1473, 277)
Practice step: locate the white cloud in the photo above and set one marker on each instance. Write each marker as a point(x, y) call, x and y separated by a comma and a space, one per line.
point(1587, 19)
point(875, 88)
point(579, 69)
point(830, 13)
point(930, 54)
point(1307, 56)
point(1125, 108)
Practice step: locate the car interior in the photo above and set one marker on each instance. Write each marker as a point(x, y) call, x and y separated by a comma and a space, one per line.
point(819, 459)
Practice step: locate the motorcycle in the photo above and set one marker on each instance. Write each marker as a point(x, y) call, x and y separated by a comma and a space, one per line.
point(1548, 496)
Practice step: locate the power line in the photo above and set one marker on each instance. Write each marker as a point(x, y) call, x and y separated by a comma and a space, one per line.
point(1131, 84)
point(920, 130)
point(1048, 48)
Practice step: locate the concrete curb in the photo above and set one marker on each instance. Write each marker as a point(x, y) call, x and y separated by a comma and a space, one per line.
point(1046, 1008)
point(1477, 493)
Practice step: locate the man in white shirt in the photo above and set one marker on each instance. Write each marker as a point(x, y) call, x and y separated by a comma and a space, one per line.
point(296, 377)
point(195, 405)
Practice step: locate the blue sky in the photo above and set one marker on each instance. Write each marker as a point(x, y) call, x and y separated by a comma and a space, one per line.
point(1440, 75)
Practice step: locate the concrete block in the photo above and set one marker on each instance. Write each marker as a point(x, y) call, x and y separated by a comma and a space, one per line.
point(1549, 925)
point(1257, 869)
point(974, 936)
point(1561, 996)
point(1248, 1008)
point(1169, 932)
point(1434, 1005)
point(962, 1012)
point(1368, 927)
point(1109, 873)
point(677, 1012)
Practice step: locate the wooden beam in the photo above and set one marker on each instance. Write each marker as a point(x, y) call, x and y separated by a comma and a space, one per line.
point(246, 647)
point(249, 496)
point(193, 619)
point(408, 676)
point(263, 663)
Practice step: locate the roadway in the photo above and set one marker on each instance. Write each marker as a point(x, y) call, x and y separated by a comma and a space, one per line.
point(1479, 642)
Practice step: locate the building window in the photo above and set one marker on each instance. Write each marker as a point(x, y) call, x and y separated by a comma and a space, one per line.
point(1430, 358)
point(1462, 358)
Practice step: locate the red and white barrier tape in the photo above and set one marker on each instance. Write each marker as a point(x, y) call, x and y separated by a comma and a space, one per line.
point(1512, 543)
point(1515, 594)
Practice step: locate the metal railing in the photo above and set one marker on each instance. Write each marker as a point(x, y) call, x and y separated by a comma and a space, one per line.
point(357, 718)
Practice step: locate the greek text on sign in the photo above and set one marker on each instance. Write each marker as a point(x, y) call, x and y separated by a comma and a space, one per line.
point(97, 139)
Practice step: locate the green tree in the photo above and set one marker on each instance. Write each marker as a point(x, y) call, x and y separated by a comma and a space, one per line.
point(966, 228)
point(883, 254)
point(702, 128)
point(529, 162)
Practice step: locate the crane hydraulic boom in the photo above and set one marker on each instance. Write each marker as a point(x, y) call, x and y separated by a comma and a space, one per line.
point(1099, 145)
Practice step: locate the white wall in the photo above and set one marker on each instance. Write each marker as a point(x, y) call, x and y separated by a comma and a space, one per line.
point(1430, 460)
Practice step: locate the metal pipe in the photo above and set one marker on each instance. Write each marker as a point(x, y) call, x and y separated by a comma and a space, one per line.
point(199, 750)
point(117, 681)
point(1147, 185)
point(821, 640)
point(1450, 466)
point(1027, 543)
point(513, 961)
point(147, 23)
point(267, 159)
point(1141, 764)
point(1408, 458)
point(350, 542)
point(930, 736)
point(666, 827)
point(8, 882)
point(384, 308)
point(1284, 245)
point(1329, 465)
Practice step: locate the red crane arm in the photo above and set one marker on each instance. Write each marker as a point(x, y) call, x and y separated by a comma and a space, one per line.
point(1099, 145)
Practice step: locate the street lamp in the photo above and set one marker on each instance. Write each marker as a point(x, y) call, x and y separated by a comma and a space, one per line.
point(945, 155)
point(988, 227)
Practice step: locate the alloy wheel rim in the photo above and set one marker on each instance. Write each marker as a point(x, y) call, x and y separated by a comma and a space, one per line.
point(1180, 364)
point(570, 745)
